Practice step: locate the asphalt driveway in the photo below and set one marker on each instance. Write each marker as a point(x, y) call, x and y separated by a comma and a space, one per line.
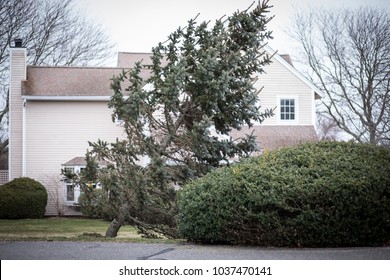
point(141, 251)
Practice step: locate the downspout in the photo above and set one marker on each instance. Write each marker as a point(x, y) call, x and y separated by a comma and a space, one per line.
point(24, 135)
point(314, 111)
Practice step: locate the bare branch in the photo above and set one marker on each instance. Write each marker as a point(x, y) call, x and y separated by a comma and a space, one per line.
point(53, 33)
point(348, 52)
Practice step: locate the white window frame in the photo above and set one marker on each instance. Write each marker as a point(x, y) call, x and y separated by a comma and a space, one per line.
point(76, 169)
point(296, 111)
point(77, 189)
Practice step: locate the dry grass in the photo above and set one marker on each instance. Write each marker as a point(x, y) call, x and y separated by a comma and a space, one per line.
point(70, 229)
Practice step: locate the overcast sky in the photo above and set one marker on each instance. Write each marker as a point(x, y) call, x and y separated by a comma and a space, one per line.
point(138, 25)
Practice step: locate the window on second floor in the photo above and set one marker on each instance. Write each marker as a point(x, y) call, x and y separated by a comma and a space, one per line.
point(288, 109)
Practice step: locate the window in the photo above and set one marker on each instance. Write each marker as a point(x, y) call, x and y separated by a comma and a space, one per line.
point(73, 190)
point(288, 111)
point(71, 186)
point(69, 169)
point(70, 192)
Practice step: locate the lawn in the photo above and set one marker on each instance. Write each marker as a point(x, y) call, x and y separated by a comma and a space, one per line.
point(70, 229)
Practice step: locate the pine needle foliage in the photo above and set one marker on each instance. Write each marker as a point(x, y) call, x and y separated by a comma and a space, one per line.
point(177, 112)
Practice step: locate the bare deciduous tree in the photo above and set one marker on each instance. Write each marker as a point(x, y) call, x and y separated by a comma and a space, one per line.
point(327, 129)
point(53, 33)
point(348, 52)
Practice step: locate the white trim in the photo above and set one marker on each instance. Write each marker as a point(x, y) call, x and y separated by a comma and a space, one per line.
point(65, 98)
point(10, 118)
point(293, 70)
point(24, 140)
point(314, 113)
point(296, 110)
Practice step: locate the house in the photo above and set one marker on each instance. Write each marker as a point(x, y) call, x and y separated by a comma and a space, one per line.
point(55, 111)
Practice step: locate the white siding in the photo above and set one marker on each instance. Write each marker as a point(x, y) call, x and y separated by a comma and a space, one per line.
point(58, 131)
point(278, 81)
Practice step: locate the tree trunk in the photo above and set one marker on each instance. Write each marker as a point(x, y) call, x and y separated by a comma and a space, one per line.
point(372, 131)
point(114, 227)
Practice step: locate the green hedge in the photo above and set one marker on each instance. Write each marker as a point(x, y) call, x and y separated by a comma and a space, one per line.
point(323, 194)
point(22, 198)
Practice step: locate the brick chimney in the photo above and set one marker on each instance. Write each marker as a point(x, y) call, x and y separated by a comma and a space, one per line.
point(17, 75)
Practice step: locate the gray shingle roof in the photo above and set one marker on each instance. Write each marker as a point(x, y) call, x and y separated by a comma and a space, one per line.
point(271, 137)
point(78, 81)
point(80, 161)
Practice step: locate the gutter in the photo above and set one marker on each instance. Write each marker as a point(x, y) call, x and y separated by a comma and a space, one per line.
point(65, 98)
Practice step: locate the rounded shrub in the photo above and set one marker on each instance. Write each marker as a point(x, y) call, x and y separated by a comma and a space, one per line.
point(22, 198)
point(321, 194)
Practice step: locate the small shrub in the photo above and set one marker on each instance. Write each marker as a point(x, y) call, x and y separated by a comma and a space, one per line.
point(22, 198)
point(323, 194)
